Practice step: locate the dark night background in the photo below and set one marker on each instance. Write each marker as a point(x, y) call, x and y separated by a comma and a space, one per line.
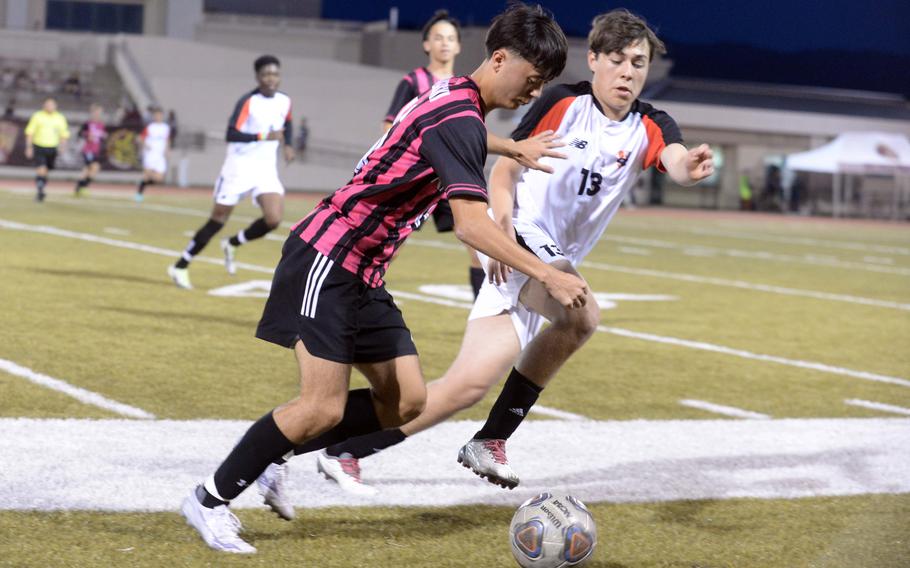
point(835, 43)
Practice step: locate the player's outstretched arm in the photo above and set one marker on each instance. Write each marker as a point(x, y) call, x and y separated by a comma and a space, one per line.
point(475, 228)
point(529, 151)
point(503, 179)
point(687, 167)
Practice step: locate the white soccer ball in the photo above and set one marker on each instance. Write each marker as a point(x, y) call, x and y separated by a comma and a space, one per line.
point(552, 531)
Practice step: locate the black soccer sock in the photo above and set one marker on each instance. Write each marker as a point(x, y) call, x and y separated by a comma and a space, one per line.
point(260, 446)
point(517, 397)
point(141, 187)
point(364, 446)
point(359, 419)
point(477, 276)
point(40, 182)
point(82, 183)
point(257, 229)
point(200, 239)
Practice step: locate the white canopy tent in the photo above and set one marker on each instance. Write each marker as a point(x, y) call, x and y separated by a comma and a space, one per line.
point(859, 153)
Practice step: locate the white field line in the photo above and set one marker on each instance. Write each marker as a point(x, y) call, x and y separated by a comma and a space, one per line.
point(878, 406)
point(707, 251)
point(698, 345)
point(757, 356)
point(748, 285)
point(98, 464)
point(741, 284)
point(723, 410)
point(556, 413)
point(441, 301)
point(845, 245)
point(80, 394)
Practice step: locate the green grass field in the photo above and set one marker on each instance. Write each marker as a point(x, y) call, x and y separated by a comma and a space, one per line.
point(828, 302)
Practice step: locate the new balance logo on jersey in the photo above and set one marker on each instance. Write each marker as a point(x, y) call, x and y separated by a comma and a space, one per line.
point(518, 411)
point(578, 143)
point(621, 158)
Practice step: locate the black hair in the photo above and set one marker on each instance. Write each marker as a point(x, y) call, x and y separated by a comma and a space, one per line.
point(618, 29)
point(441, 16)
point(531, 32)
point(264, 60)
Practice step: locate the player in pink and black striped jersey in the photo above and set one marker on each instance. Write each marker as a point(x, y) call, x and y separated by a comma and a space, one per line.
point(328, 301)
point(92, 133)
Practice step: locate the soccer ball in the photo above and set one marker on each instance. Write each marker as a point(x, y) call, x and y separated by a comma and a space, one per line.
point(551, 531)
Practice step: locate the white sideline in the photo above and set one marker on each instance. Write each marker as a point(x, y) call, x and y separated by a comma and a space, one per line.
point(80, 394)
point(723, 410)
point(617, 331)
point(150, 465)
point(878, 406)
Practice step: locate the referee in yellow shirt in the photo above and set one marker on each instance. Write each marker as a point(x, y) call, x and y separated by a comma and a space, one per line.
point(46, 131)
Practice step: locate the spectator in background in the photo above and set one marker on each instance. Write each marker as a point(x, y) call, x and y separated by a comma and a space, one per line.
point(773, 191)
point(303, 135)
point(92, 134)
point(131, 117)
point(745, 193)
point(46, 131)
point(9, 112)
point(72, 85)
point(7, 79)
point(172, 122)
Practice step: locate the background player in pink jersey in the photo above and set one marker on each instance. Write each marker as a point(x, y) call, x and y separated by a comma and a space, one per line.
point(328, 301)
point(559, 216)
point(92, 135)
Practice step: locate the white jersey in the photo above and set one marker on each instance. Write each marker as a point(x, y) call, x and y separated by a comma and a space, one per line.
point(154, 139)
point(255, 115)
point(574, 204)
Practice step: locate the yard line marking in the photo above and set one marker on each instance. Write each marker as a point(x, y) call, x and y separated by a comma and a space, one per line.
point(97, 464)
point(54, 231)
point(878, 406)
point(846, 245)
point(757, 356)
point(708, 251)
point(722, 409)
point(741, 284)
point(441, 301)
point(80, 394)
point(747, 285)
point(697, 345)
point(634, 250)
point(556, 413)
point(116, 231)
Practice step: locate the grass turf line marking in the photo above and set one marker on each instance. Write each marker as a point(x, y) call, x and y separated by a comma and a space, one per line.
point(846, 245)
point(878, 406)
point(617, 331)
point(697, 345)
point(748, 285)
point(80, 394)
point(743, 285)
point(723, 409)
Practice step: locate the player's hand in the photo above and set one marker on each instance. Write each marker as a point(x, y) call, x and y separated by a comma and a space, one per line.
point(498, 272)
point(29, 152)
point(275, 134)
point(288, 154)
point(700, 162)
point(529, 151)
point(567, 289)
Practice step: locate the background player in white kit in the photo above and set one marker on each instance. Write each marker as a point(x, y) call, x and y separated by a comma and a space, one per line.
point(155, 140)
point(260, 122)
point(611, 137)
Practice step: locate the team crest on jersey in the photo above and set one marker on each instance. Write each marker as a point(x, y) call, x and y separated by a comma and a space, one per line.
point(621, 158)
point(578, 143)
point(439, 89)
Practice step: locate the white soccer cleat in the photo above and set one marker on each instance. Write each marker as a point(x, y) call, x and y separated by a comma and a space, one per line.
point(345, 471)
point(229, 251)
point(218, 527)
point(180, 276)
point(271, 486)
point(487, 458)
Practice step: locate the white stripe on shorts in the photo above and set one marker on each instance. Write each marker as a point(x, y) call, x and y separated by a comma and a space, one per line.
point(318, 272)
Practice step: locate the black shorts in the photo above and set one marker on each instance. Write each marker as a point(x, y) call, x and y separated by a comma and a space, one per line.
point(90, 158)
point(336, 315)
point(443, 218)
point(45, 157)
